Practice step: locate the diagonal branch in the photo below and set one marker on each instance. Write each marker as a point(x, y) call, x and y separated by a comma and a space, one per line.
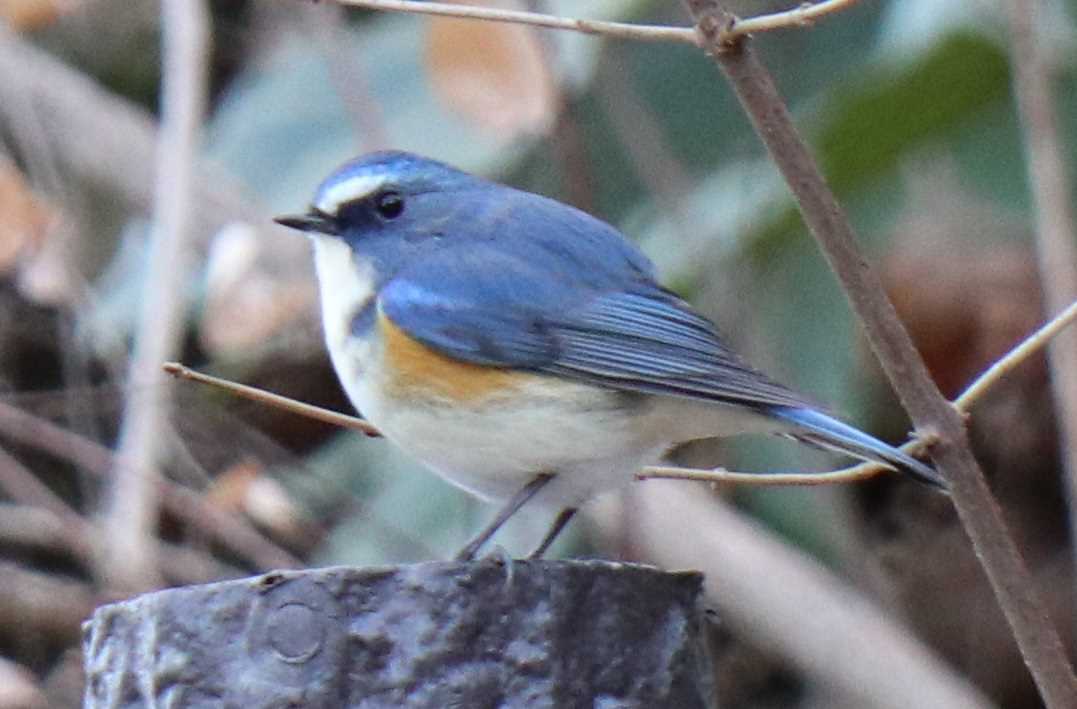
point(275, 400)
point(1037, 638)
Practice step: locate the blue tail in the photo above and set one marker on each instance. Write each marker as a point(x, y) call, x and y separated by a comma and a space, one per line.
point(822, 430)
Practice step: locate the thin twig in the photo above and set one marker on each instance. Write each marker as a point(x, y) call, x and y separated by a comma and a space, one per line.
point(1030, 346)
point(801, 16)
point(854, 473)
point(858, 472)
point(1052, 189)
point(622, 30)
point(932, 414)
point(275, 400)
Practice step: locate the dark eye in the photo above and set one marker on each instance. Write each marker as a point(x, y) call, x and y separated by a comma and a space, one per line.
point(390, 205)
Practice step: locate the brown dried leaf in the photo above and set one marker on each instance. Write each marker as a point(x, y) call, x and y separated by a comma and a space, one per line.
point(50, 274)
point(32, 15)
point(229, 489)
point(495, 74)
point(245, 488)
point(254, 291)
point(26, 217)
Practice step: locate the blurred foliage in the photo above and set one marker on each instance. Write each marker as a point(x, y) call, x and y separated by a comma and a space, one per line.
point(899, 99)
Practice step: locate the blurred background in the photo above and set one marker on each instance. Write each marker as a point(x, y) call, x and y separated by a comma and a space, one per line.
point(907, 104)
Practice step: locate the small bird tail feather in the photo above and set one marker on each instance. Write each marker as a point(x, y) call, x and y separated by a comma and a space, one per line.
point(821, 430)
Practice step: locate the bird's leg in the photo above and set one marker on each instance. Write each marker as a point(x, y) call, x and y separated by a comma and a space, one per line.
point(514, 504)
point(563, 518)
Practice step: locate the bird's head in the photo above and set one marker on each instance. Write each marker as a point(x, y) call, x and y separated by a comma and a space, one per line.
point(378, 212)
point(398, 192)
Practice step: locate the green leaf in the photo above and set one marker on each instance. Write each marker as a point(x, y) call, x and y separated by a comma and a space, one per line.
point(888, 115)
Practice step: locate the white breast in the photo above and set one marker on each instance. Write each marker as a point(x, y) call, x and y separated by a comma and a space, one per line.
point(492, 450)
point(347, 286)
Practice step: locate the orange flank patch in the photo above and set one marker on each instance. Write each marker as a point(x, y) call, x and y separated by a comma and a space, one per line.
point(419, 370)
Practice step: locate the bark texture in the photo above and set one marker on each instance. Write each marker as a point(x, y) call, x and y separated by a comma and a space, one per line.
point(438, 634)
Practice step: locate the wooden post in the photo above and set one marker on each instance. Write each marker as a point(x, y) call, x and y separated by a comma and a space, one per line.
point(436, 634)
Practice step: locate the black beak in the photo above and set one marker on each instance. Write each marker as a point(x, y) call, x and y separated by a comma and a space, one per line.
point(311, 221)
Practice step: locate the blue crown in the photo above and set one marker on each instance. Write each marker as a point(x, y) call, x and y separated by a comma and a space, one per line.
point(403, 172)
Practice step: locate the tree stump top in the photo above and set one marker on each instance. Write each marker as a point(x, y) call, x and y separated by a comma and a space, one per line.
point(435, 634)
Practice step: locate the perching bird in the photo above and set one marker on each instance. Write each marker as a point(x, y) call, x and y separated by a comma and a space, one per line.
point(520, 347)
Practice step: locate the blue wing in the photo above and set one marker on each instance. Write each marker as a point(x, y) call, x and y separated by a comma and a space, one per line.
point(615, 328)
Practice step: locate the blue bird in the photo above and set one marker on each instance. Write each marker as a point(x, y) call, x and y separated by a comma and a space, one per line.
point(523, 349)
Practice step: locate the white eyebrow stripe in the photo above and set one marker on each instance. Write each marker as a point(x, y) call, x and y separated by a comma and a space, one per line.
point(357, 187)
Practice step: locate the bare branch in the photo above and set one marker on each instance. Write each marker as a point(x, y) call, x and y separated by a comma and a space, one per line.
point(275, 400)
point(132, 509)
point(854, 473)
point(21, 485)
point(803, 16)
point(25, 526)
point(1056, 236)
point(621, 30)
point(1030, 346)
point(1037, 638)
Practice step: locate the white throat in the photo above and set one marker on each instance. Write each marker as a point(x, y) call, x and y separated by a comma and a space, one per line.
point(346, 285)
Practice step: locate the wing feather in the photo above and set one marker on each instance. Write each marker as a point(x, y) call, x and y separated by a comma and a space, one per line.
point(654, 342)
point(490, 309)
